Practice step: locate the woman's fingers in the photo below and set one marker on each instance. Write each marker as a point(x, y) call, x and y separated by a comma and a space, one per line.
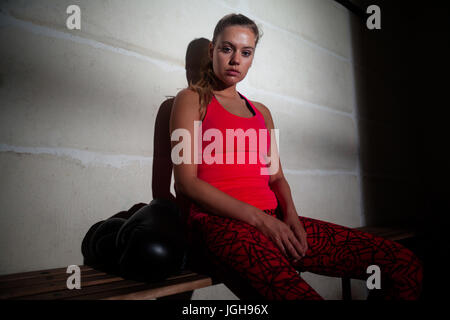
point(281, 246)
point(289, 238)
point(294, 251)
point(300, 233)
point(286, 246)
point(297, 246)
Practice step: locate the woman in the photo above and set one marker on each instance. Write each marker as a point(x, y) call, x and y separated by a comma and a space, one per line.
point(245, 223)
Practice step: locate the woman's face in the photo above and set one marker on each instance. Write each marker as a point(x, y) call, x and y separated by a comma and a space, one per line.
point(232, 55)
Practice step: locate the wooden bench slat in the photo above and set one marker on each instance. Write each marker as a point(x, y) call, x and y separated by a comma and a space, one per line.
point(56, 285)
point(61, 278)
point(38, 273)
point(44, 283)
point(64, 293)
point(400, 236)
point(388, 233)
point(107, 289)
point(145, 293)
point(94, 278)
point(45, 279)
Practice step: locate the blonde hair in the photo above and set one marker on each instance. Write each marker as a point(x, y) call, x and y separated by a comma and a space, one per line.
point(208, 79)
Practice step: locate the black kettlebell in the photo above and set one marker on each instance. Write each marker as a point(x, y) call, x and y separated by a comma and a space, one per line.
point(103, 244)
point(99, 247)
point(151, 243)
point(88, 256)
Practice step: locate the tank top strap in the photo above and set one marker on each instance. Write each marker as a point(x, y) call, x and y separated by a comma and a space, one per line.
point(215, 112)
point(249, 103)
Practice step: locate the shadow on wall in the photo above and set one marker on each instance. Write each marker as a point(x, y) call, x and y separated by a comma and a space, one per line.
point(196, 57)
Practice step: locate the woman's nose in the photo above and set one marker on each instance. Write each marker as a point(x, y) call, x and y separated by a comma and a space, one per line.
point(235, 59)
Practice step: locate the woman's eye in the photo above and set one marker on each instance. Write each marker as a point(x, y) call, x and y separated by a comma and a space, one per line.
point(246, 53)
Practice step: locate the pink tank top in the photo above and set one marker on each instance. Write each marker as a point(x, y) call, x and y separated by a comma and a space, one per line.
point(242, 180)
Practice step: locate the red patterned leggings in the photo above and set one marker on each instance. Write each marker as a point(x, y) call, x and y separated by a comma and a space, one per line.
point(252, 266)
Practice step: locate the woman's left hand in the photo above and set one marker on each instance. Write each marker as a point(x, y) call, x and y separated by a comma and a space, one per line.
point(292, 220)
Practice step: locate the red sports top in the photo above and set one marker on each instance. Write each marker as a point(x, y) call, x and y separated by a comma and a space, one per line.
point(241, 179)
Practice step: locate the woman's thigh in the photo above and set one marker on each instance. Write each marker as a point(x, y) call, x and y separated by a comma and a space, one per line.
point(333, 250)
point(340, 251)
point(234, 245)
point(236, 242)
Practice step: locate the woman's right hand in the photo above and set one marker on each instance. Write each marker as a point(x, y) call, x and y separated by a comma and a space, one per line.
point(281, 234)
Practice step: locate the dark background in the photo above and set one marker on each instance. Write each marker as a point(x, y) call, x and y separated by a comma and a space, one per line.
point(401, 77)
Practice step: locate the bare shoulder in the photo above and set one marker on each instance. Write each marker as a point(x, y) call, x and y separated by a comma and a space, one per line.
point(187, 96)
point(264, 110)
point(187, 103)
point(261, 107)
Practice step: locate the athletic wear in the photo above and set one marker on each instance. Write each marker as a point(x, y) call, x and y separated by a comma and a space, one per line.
point(241, 181)
point(252, 266)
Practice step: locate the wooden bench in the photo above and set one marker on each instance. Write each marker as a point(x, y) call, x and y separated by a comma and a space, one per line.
point(51, 284)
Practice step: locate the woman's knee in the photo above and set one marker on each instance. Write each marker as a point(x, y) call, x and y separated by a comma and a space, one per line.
point(412, 262)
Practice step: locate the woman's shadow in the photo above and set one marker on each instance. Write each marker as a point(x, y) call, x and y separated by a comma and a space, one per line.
point(196, 57)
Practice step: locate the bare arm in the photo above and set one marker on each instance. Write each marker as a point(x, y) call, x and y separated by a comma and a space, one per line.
point(277, 181)
point(280, 187)
point(184, 113)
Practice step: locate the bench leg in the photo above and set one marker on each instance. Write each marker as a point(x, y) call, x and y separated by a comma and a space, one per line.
point(346, 289)
point(187, 295)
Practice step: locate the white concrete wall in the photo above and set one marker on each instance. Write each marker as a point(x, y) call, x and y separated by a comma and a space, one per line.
point(78, 109)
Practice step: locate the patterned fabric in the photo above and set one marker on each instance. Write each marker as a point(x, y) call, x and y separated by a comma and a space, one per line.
point(251, 265)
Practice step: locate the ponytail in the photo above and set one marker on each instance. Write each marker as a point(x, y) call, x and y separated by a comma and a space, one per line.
point(205, 85)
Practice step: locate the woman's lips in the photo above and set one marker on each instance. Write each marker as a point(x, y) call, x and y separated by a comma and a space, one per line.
point(232, 73)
